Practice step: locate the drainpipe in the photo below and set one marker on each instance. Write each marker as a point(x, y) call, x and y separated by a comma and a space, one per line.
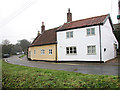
point(56, 54)
point(100, 43)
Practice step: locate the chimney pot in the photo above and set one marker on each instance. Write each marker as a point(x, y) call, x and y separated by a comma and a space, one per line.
point(38, 32)
point(42, 27)
point(42, 23)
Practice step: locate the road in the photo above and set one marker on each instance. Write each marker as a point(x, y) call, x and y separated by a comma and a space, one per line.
point(86, 68)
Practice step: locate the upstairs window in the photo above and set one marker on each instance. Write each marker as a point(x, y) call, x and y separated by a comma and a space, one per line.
point(71, 50)
point(42, 51)
point(50, 51)
point(69, 34)
point(90, 31)
point(91, 50)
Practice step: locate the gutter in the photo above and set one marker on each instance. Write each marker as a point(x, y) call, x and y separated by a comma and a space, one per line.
point(42, 44)
point(59, 30)
point(100, 43)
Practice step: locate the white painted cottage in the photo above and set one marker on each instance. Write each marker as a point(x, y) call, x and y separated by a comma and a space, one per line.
point(90, 39)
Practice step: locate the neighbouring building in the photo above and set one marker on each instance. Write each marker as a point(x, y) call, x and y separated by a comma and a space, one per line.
point(90, 39)
point(118, 16)
point(117, 27)
point(117, 34)
point(44, 47)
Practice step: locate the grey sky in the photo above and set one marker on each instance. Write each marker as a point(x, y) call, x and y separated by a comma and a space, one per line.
point(21, 19)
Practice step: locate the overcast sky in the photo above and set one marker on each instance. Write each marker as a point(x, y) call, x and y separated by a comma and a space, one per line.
point(21, 19)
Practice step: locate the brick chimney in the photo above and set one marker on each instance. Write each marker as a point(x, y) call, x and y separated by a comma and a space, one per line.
point(42, 27)
point(69, 16)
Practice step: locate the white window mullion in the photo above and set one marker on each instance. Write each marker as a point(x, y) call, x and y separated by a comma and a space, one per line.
point(91, 50)
point(90, 31)
point(50, 51)
point(69, 34)
point(42, 51)
point(71, 50)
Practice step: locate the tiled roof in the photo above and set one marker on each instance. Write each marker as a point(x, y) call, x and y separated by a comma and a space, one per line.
point(84, 22)
point(47, 37)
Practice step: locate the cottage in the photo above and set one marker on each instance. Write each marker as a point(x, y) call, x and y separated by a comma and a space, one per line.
point(90, 39)
point(44, 46)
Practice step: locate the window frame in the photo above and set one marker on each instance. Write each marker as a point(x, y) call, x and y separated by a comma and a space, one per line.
point(42, 51)
point(90, 31)
point(69, 34)
point(71, 50)
point(50, 51)
point(91, 50)
point(34, 51)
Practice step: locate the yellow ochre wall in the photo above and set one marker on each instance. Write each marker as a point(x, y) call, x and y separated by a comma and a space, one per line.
point(46, 56)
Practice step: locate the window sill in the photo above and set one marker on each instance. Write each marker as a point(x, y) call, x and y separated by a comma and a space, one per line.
point(90, 35)
point(69, 38)
point(71, 54)
point(92, 54)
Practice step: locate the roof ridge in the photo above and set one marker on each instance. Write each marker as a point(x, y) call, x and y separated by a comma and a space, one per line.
point(52, 29)
point(87, 18)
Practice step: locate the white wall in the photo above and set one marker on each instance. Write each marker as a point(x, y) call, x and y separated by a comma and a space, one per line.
point(108, 40)
point(81, 41)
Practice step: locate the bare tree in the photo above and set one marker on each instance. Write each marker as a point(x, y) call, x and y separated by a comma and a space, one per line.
point(5, 42)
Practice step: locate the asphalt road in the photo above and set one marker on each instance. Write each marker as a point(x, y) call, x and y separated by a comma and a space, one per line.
point(86, 68)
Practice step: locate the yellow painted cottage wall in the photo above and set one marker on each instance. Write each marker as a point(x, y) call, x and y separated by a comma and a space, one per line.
point(46, 56)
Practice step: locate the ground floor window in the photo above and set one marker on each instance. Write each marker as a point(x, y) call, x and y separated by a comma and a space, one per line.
point(71, 50)
point(50, 51)
point(42, 51)
point(91, 50)
point(34, 51)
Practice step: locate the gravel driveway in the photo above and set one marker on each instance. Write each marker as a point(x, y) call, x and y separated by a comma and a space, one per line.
point(86, 68)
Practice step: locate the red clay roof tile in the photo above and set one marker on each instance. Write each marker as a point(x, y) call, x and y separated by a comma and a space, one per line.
point(84, 22)
point(47, 37)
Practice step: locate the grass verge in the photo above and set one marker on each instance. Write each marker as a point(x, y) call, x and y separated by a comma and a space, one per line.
point(22, 56)
point(15, 76)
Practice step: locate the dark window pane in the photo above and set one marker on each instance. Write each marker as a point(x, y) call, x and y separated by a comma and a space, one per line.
point(67, 34)
point(88, 31)
point(67, 48)
point(92, 31)
point(67, 52)
point(74, 48)
point(71, 34)
point(75, 52)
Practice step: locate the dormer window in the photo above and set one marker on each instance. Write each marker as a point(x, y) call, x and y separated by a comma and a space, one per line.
point(69, 34)
point(90, 31)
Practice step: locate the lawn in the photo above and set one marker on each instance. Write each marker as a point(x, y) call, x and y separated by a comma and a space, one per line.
point(15, 76)
point(22, 56)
